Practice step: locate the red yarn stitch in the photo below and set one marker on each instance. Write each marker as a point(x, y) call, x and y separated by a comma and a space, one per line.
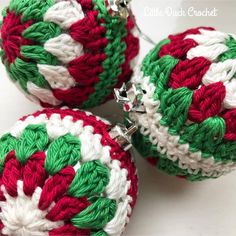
point(86, 76)
point(34, 174)
point(11, 174)
point(85, 69)
point(55, 187)
point(89, 32)
point(182, 35)
point(66, 208)
point(69, 230)
point(207, 102)
point(189, 73)
point(1, 225)
point(230, 122)
point(73, 96)
point(179, 46)
point(11, 34)
point(131, 41)
point(86, 5)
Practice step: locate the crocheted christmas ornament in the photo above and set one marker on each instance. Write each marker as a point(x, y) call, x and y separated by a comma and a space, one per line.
point(63, 174)
point(67, 52)
point(187, 104)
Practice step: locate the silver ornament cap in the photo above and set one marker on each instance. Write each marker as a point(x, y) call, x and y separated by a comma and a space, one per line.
point(130, 97)
point(123, 135)
point(120, 7)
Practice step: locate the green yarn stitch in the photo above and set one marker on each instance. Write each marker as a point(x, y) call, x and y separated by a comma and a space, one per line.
point(231, 52)
point(25, 71)
point(153, 56)
point(97, 215)
point(62, 152)
point(91, 179)
point(37, 54)
point(160, 72)
point(147, 149)
point(41, 32)
point(210, 134)
point(33, 139)
point(7, 144)
point(114, 51)
point(31, 9)
point(4, 14)
point(99, 233)
point(226, 151)
point(174, 106)
point(2, 54)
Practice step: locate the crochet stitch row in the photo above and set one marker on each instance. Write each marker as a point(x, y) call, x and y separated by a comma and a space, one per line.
point(189, 127)
point(67, 52)
point(67, 173)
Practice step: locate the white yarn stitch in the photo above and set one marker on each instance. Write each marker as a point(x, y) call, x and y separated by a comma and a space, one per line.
point(64, 47)
point(211, 52)
point(64, 13)
point(91, 149)
point(58, 77)
point(211, 44)
point(117, 224)
point(115, 189)
point(44, 95)
point(223, 72)
point(230, 97)
point(168, 144)
point(15, 220)
point(208, 37)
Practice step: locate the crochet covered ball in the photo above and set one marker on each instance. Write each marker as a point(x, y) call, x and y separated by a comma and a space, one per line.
point(71, 52)
point(62, 174)
point(188, 82)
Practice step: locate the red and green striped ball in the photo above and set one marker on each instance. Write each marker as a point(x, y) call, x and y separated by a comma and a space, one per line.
point(61, 173)
point(188, 128)
point(71, 52)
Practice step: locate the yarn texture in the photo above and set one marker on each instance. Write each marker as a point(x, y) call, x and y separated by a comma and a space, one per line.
point(188, 128)
point(62, 174)
point(67, 52)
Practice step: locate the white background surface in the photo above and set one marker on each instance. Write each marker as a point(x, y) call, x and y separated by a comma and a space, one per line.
point(167, 206)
